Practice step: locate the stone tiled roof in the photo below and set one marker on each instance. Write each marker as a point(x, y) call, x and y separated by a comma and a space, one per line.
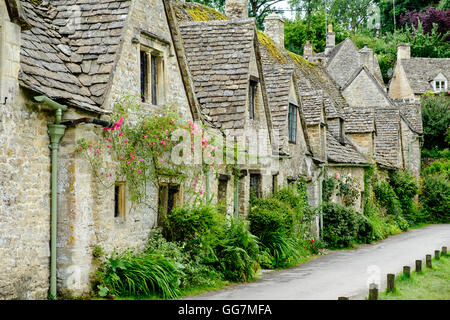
point(71, 49)
point(387, 141)
point(420, 71)
point(347, 153)
point(312, 106)
point(218, 54)
point(359, 120)
point(278, 80)
point(411, 110)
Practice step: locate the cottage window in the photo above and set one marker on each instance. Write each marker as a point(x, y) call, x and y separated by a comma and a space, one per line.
point(292, 122)
point(440, 85)
point(274, 183)
point(252, 98)
point(119, 199)
point(151, 77)
point(255, 185)
point(341, 131)
point(169, 198)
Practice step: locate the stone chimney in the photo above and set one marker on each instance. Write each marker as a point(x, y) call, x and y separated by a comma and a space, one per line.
point(274, 28)
point(307, 49)
point(403, 51)
point(331, 39)
point(236, 9)
point(367, 58)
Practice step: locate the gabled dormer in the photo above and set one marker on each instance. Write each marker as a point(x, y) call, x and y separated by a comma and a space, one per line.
point(439, 83)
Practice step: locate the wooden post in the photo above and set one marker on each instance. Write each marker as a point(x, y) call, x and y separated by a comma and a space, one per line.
point(373, 291)
point(428, 260)
point(407, 271)
point(343, 298)
point(390, 282)
point(418, 266)
point(444, 251)
point(437, 254)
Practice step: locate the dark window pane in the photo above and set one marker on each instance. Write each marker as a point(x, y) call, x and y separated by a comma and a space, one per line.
point(154, 80)
point(144, 76)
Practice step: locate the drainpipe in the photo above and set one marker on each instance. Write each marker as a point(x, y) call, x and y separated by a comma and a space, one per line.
point(236, 196)
point(56, 132)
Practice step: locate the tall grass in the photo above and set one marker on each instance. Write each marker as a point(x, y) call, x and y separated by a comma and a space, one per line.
point(128, 274)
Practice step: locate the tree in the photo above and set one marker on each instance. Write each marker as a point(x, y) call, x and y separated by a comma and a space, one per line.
point(353, 13)
point(391, 10)
point(296, 32)
point(428, 18)
point(308, 7)
point(436, 121)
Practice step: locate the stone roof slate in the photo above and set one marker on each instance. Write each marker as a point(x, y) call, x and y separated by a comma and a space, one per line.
point(71, 49)
point(387, 139)
point(278, 80)
point(218, 55)
point(420, 71)
point(312, 106)
point(339, 153)
point(359, 120)
point(411, 110)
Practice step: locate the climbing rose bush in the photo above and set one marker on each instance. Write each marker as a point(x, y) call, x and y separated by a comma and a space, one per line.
point(139, 149)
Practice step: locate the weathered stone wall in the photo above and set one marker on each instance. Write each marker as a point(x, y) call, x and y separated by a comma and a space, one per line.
point(410, 149)
point(364, 142)
point(24, 179)
point(372, 97)
point(399, 86)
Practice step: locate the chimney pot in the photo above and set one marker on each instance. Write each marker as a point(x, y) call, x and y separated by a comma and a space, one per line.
point(330, 40)
point(308, 49)
point(403, 51)
point(236, 9)
point(274, 28)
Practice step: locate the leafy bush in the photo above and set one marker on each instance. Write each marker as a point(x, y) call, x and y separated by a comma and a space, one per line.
point(340, 225)
point(270, 215)
point(435, 197)
point(186, 224)
point(436, 120)
point(238, 252)
point(386, 197)
point(195, 273)
point(143, 274)
point(441, 167)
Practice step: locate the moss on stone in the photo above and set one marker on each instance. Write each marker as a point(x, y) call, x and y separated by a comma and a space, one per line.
point(199, 12)
point(270, 46)
point(300, 61)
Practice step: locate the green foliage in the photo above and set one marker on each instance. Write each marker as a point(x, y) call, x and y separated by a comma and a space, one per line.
point(296, 33)
point(435, 197)
point(340, 225)
point(189, 223)
point(238, 252)
point(143, 274)
point(436, 121)
point(386, 197)
point(437, 153)
point(328, 186)
point(406, 187)
point(441, 167)
point(270, 215)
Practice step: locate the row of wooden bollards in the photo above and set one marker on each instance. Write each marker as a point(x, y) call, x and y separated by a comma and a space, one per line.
point(390, 286)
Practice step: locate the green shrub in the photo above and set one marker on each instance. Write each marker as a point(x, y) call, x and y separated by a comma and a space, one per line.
point(128, 274)
point(441, 167)
point(186, 224)
point(386, 197)
point(435, 198)
point(238, 252)
point(340, 225)
point(195, 273)
point(270, 215)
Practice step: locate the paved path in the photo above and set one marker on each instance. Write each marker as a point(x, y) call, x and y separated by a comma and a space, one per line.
point(341, 273)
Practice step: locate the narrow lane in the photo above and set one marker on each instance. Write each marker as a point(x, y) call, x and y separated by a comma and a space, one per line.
point(341, 273)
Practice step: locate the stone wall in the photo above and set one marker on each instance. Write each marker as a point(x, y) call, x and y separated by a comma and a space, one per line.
point(410, 149)
point(364, 142)
point(399, 86)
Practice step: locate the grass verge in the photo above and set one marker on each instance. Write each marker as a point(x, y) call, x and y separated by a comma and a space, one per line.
point(430, 284)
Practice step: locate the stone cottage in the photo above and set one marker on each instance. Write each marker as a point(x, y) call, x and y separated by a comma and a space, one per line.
point(413, 77)
point(64, 65)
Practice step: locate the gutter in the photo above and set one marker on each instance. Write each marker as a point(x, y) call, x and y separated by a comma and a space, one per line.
point(56, 132)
